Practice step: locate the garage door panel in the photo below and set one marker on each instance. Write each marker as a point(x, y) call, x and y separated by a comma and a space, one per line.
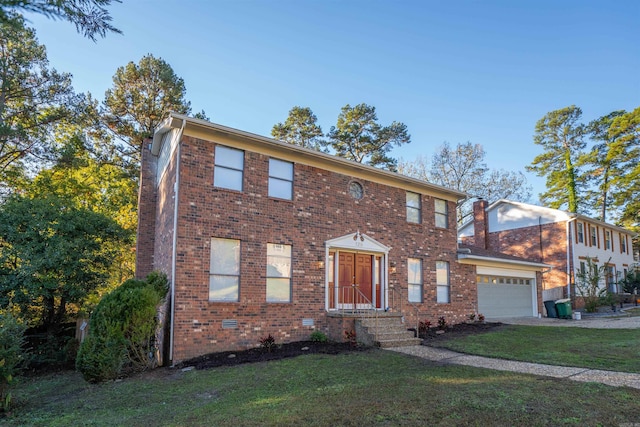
point(503, 300)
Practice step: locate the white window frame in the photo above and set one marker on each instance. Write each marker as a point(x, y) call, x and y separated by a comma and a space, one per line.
point(279, 257)
point(580, 232)
point(415, 280)
point(607, 239)
point(228, 273)
point(223, 166)
point(278, 180)
point(411, 209)
point(443, 283)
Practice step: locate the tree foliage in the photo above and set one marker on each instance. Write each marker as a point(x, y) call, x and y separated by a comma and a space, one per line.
point(12, 355)
point(301, 128)
point(34, 101)
point(90, 17)
point(52, 256)
point(561, 136)
point(358, 136)
point(141, 96)
point(589, 284)
point(463, 168)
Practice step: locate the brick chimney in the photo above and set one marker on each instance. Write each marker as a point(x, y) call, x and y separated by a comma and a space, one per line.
point(480, 224)
point(147, 197)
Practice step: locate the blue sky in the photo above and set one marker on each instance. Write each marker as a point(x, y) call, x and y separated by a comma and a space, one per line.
point(456, 71)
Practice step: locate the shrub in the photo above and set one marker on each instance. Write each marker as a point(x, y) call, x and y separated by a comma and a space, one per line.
point(122, 330)
point(268, 342)
point(423, 328)
point(588, 285)
point(11, 355)
point(442, 322)
point(351, 337)
point(318, 336)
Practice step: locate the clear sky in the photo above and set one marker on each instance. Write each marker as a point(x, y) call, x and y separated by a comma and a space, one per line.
point(456, 71)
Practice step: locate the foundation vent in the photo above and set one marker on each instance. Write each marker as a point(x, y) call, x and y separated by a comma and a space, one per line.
point(229, 324)
point(307, 322)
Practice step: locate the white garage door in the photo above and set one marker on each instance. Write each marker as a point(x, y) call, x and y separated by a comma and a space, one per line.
point(505, 296)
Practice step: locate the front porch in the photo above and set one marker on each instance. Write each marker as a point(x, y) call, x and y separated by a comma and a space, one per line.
point(371, 327)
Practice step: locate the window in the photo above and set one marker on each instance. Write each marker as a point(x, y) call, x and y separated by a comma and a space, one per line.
point(610, 278)
point(229, 165)
point(278, 273)
point(442, 214)
point(583, 268)
point(280, 179)
point(413, 208)
point(580, 232)
point(594, 236)
point(607, 239)
point(623, 243)
point(224, 270)
point(414, 270)
point(442, 280)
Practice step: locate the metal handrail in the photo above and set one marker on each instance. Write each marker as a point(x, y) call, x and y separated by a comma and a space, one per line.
point(358, 299)
point(413, 305)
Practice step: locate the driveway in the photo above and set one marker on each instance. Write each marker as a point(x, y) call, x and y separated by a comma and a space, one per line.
point(596, 322)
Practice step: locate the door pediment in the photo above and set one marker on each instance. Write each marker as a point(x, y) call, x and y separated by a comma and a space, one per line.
point(357, 242)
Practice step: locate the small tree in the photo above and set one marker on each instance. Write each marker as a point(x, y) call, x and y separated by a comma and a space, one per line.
point(631, 282)
point(588, 285)
point(11, 355)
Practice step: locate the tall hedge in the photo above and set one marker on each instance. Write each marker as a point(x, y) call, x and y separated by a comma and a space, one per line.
point(122, 329)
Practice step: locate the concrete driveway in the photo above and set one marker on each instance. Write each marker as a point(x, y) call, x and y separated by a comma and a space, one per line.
point(596, 322)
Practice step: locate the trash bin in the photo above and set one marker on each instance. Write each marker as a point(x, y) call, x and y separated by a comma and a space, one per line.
point(550, 306)
point(563, 307)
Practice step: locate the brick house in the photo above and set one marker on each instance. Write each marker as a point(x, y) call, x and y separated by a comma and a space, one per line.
point(560, 239)
point(261, 237)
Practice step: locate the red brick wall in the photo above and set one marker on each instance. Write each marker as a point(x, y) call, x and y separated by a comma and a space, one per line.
point(525, 242)
point(321, 210)
point(147, 202)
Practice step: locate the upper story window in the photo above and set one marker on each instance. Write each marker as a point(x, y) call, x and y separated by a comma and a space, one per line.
point(278, 273)
point(442, 213)
point(623, 243)
point(580, 232)
point(280, 179)
point(414, 210)
point(414, 279)
point(607, 239)
point(594, 236)
point(442, 280)
point(224, 270)
point(229, 167)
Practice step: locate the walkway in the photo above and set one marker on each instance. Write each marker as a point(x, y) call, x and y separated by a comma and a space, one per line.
point(616, 379)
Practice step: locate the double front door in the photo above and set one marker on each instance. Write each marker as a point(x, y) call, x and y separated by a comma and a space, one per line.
point(359, 279)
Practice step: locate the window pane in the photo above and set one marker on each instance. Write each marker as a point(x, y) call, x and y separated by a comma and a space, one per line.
point(229, 157)
point(223, 288)
point(278, 290)
point(442, 273)
point(227, 178)
point(443, 294)
point(225, 256)
point(413, 215)
point(413, 200)
point(441, 221)
point(441, 206)
point(281, 169)
point(415, 293)
point(280, 188)
point(414, 269)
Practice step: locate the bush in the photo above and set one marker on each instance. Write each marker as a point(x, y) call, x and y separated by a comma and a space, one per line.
point(318, 336)
point(122, 330)
point(11, 355)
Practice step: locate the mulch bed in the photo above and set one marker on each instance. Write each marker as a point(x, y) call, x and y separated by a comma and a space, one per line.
point(282, 351)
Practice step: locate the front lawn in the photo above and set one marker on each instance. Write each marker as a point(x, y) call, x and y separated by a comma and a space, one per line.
point(609, 349)
point(373, 388)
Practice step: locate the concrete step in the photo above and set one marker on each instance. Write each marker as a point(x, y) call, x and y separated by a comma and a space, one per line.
point(399, 343)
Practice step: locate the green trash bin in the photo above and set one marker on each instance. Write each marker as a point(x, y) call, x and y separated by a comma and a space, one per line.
point(563, 307)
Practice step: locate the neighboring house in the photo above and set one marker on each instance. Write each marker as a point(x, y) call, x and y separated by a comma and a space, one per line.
point(561, 239)
point(261, 237)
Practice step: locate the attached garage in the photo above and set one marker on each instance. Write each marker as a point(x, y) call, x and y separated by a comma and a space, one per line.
point(506, 293)
point(506, 285)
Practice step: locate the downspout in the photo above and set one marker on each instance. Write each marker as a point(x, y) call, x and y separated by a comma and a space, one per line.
point(174, 250)
point(569, 255)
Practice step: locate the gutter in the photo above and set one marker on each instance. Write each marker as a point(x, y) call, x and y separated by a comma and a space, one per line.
point(493, 260)
point(569, 254)
point(174, 250)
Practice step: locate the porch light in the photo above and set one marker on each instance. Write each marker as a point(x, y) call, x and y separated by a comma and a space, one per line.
point(319, 265)
point(392, 267)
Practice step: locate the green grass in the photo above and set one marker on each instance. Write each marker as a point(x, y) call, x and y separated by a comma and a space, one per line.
point(609, 349)
point(374, 388)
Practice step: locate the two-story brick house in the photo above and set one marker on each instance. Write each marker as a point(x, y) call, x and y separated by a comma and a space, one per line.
point(561, 239)
point(261, 237)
